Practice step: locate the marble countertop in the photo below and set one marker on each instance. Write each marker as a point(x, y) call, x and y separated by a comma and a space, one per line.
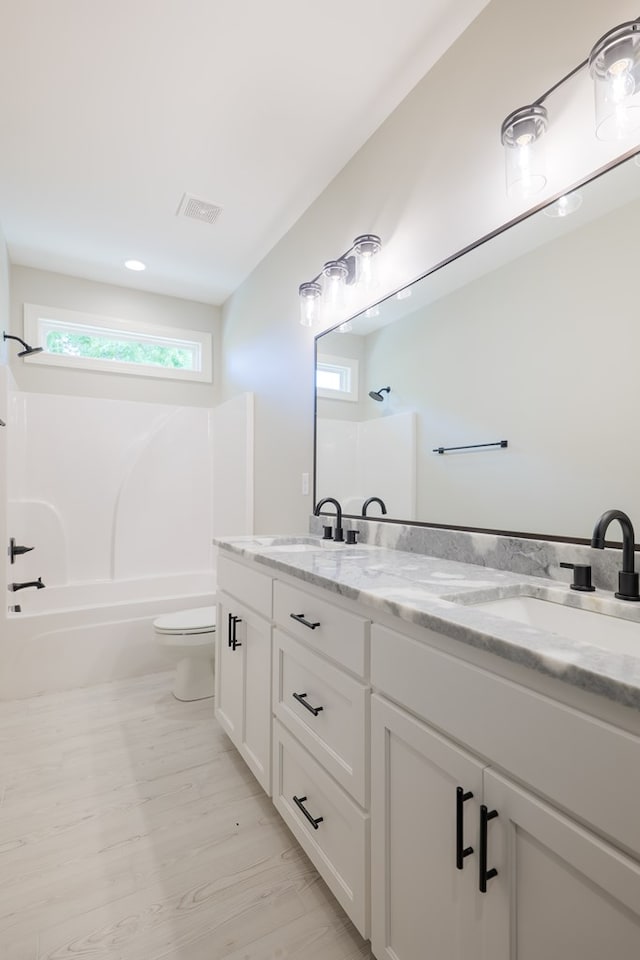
point(436, 594)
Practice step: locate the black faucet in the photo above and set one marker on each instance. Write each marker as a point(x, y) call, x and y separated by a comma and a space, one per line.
point(627, 578)
point(371, 500)
point(338, 535)
point(38, 584)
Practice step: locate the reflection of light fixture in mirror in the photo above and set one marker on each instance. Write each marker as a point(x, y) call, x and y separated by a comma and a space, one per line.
point(614, 64)
point(564, 206)
point(345, 327)
point(521, 136)
point(135, 265)
point(403, 294)
point(372, 312)
point(309, 294)
point(354, 268)
point(377, 394)
point(27, 349)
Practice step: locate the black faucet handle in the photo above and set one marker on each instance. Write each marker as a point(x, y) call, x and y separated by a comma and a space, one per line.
point(327, 532)
point(581, 576)
point(352, 536)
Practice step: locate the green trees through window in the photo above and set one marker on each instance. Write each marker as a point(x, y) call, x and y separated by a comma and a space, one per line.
point(123, 350)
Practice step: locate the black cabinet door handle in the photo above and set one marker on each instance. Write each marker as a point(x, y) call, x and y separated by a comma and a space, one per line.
point(233, 622)
point(314, 821)
point(229, 634)
point(300, 697)
point(301, 619)
point(485, 816)
point(461, 850)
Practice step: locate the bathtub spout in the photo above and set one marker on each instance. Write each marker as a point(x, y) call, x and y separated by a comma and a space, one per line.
point(38, 584)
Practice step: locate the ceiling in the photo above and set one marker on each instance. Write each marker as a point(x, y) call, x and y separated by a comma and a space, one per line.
point(110, 112)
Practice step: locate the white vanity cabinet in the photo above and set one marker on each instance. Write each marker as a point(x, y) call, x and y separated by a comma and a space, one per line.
point(321, 738)
point(425, 801)
point(458, 807)
point(243, 664)
point(535, 882)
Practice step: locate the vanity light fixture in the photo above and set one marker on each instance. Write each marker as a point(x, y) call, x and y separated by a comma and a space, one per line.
point(328, 288)
point(614, 65)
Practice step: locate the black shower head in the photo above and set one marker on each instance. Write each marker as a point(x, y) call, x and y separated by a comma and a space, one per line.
point(377, 394)
point(27, 349)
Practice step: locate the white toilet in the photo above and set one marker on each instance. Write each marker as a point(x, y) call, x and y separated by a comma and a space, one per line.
point(188, 637)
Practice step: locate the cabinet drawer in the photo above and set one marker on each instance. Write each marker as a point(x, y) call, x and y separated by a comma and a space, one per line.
point(333, 725)
point(577, 761)
point(331, 630)
point(254, 589)
point(338, 845)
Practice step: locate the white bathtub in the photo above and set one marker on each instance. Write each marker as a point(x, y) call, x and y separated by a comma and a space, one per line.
point(85, 633)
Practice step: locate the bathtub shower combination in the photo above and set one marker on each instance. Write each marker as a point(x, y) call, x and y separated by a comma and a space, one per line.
point(117, 500)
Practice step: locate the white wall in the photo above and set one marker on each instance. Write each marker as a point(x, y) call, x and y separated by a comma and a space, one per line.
point(73, 293)
point(429, 181)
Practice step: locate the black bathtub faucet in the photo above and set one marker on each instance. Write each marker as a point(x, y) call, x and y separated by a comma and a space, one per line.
point(627, 577)
point(38, 584)
point(338, 535)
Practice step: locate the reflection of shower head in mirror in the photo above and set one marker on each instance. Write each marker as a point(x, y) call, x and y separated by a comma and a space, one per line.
point(377, 394)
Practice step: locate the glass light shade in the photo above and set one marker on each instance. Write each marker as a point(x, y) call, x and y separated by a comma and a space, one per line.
point(335, 273)
point(365, 248)
point(310, 294)
point(522, 137)
point(614, 64)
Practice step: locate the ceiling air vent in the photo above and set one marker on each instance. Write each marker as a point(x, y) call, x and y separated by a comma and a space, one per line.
point(196, 209)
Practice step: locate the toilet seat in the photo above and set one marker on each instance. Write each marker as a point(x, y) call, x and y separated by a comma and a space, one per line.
point(187, 623)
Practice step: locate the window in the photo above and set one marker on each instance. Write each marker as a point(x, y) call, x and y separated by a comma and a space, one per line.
point(336, 378)
point(72, 339)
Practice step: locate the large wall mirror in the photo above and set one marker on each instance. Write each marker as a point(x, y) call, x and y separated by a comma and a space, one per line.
point(533, 338)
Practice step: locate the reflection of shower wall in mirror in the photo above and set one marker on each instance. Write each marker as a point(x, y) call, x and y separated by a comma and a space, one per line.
point(360, 459)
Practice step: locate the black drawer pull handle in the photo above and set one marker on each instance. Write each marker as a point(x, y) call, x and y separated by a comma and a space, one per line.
point(233, 622)
point(301, 619)
point(314, 821)
point(461, 850)
point(300, 697)
point(485, 816)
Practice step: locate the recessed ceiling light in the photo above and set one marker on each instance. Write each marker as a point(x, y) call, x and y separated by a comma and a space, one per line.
point(135, 265)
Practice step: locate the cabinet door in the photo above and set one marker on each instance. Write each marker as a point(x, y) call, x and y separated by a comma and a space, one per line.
point(254, 634)
point(560, 893)
point(243, 684)
point(229, 666)
point(423, 906)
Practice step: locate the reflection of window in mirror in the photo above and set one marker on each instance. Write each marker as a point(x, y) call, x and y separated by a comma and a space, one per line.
point(337, 378)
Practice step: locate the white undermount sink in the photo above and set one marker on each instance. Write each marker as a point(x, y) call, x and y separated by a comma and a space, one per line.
point(599, 629)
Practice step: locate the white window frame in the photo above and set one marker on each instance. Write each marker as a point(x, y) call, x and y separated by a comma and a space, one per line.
point(38, 320)
point(346, 363)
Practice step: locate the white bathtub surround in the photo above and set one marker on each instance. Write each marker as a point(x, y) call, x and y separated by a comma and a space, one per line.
point(536, 558)
point(108, 489)
point(350, 451)
point(131, 829)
